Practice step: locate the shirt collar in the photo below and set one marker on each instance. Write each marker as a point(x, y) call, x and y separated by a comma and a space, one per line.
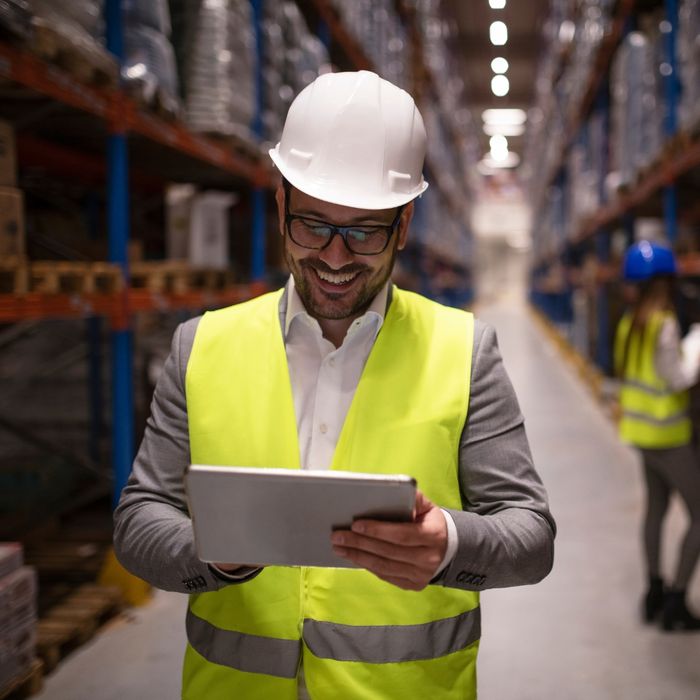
point(296, 308)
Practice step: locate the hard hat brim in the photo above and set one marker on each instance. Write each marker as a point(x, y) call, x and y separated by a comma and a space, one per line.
point(326, 193)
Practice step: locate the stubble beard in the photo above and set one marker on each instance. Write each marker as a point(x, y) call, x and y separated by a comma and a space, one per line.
point(320, 304)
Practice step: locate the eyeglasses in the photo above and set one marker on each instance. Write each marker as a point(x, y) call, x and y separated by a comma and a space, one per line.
point(315, 234)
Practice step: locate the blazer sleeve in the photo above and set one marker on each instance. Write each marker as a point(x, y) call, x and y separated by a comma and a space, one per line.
point(153, 535)
point(505, 530)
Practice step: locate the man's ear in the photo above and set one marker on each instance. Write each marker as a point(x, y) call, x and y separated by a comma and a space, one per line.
point(404, 223)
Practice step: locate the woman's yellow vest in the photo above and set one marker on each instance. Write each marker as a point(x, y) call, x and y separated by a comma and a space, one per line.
point(356, 636)
point(653, 416)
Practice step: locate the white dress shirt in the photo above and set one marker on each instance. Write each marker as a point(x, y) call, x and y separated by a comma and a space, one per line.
point(324, 379)
point(677, 361)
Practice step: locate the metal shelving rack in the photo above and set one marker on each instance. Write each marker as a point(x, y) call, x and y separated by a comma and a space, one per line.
point(123, 122)
point(124, 118)
point(657, 185)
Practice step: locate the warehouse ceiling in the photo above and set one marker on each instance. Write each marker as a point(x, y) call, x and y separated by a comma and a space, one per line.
point(474, 52)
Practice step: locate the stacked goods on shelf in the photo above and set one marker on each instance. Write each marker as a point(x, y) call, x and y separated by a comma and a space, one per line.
point(18, 616)
point(70, 34)
point(149, 70)
point(198, 226)
point(585, 173)
point(292, 58)
point(217, 57)
point(450, 94)
point(12, 242)
point(638, 106)
point(376, 25)
point(573, 35)
point(689, 61)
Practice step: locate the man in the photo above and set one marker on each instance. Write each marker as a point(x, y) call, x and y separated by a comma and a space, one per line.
point(340, 370)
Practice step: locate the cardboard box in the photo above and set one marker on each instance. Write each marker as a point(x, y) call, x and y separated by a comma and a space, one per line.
point(12, 241)
point(8, 156)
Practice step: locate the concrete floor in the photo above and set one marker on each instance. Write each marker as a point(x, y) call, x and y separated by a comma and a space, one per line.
point(575, 636)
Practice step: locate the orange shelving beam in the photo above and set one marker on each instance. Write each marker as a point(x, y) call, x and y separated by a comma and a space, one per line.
point(116, 108)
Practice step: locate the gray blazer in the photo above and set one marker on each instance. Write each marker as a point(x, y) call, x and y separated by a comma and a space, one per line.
point(505, 530)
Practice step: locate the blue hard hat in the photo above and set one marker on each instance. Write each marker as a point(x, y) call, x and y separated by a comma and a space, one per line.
point(647, 259)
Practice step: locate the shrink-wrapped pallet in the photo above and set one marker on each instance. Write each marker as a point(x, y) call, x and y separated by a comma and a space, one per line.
point(149, 69)
point(293, 57)
point(219, 67)
point(637, 134)
point(689, 63)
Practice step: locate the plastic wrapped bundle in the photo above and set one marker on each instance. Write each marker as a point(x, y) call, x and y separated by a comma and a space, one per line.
point(71, 33)
point(149, 67)
point(221, 69)
point(689, 60)
point(637, 109)
point(87, 13)
point(15, 18)
point(154, 14)
point(293, 58)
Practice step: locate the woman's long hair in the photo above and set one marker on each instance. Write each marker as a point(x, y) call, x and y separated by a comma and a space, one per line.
point(655, 294)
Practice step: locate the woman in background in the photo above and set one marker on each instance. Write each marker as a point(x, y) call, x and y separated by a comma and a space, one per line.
point(657, 369)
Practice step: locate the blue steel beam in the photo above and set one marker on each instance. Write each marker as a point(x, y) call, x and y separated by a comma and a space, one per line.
point(118, 228)
point(258, 266)
point(671, 95)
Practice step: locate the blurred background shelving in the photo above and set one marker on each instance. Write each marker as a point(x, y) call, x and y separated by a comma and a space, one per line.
point(136, 192)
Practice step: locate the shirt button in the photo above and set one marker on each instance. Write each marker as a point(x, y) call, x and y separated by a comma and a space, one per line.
point(323, 428)
point(331, 361)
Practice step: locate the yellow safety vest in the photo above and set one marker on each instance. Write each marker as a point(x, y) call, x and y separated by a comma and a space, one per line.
point(653, 416)
point(357, 636)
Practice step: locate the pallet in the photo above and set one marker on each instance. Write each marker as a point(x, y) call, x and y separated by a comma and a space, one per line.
point(51, 277)
point(14, 276)
point(75, 620)
point(176, 277)
point(88, 63)
point(158, 102)
point(26, 684)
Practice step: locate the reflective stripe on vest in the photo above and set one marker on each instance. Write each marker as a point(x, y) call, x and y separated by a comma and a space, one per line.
point(357, 632)
point(245, 652)
point(328, 640)
point(653, 416)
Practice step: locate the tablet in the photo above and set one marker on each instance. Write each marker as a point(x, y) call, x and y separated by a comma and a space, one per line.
point(244, 515)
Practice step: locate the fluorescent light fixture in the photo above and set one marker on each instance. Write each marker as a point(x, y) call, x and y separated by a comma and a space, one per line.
point(487, 165)
point(500, 85)
point(498, 143)
point(504, 116)
point(498, 33)
point(497, 4)
point(499, 65)
point(505, 129)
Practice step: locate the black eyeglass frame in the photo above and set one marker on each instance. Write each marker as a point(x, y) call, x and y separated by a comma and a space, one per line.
point(341, 231)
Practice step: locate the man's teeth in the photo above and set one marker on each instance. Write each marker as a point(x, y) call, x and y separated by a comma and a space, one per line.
point(336, 278)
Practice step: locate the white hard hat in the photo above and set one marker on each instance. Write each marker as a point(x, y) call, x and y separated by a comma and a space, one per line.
point(354, 139)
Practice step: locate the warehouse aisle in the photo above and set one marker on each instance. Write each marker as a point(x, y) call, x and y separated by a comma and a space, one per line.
point(574, 636)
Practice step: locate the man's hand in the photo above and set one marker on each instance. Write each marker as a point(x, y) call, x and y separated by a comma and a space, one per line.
point(405, 554)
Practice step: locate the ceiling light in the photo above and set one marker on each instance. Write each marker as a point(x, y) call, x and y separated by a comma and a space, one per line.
point(500, 85)
point(489, 163)
point(497, 4)
point(504, 116)
point(505, 129)
point(498, 143)
point(498, 33)
point(499, 65)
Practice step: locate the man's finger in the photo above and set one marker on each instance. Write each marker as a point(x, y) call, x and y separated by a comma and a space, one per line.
point(382, 548)
point(405, 534)
point(380, 566)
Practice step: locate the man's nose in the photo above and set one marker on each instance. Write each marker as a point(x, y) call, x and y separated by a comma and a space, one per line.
point(336, 254)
